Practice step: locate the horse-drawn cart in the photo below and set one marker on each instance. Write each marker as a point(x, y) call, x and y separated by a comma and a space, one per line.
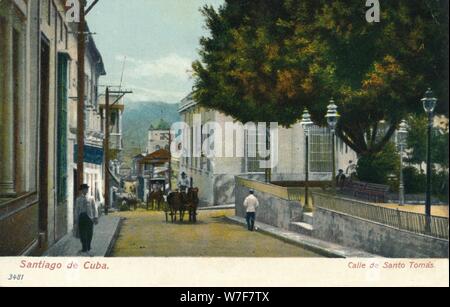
point(182, 202)
point(157, 191)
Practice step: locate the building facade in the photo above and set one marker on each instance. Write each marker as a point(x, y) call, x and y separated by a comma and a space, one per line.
point(23, 226)
point(158, 137)
point(215, 176)
point(93, 172)
point(38, 102)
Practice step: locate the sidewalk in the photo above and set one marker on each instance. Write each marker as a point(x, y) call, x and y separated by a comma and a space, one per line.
point(105, 235)
point(328, 249)
point(222, 207)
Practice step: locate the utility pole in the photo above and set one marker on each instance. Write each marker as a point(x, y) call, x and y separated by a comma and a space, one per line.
point(106, 149)
point(120, 94)
point(81, 91)
point(170, 159)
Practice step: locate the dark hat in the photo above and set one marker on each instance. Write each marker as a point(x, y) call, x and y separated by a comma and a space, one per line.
point(252, 191)
point(84, 186)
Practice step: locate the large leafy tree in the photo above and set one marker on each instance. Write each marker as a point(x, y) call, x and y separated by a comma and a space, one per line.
point(266, 60)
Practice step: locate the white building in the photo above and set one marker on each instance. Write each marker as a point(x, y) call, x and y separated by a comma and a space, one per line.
point(215, 177)
point(93, 173)
point(158, 137)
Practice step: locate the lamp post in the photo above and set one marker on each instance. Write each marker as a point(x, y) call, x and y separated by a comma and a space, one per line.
point(429, 104)
point(401, 135)
point(332, 120)
point(307, 124)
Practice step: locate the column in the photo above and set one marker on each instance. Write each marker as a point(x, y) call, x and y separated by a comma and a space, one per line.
point(7, 115)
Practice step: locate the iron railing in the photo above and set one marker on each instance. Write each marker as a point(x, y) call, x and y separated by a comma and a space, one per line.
point(410, 221)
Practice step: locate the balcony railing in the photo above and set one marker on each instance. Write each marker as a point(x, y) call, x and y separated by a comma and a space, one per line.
point(115, 141)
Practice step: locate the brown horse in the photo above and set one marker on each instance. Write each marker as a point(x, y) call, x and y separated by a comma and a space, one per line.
point(176, 202)
point(157, 196)
point(192, 204)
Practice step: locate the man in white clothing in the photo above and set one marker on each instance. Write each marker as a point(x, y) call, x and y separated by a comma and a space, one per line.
point(183, 183)
point(251, 203)
point(86, 215)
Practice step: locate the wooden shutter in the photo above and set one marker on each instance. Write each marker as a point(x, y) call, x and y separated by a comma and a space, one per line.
point(62, 128)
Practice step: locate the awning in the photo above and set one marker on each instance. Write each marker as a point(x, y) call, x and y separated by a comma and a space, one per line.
point(93, 155)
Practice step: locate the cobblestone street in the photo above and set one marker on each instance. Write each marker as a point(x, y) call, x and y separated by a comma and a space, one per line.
point(147, 234)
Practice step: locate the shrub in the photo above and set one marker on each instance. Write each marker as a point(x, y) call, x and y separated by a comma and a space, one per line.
point(414, 180)
point(376, 168)
point(439, 184)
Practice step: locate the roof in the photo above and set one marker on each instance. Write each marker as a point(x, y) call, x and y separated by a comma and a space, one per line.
point(158, 157)
point(97, 57)
point(187, 103)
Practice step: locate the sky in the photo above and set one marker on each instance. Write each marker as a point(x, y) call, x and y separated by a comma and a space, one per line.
point(157, 39)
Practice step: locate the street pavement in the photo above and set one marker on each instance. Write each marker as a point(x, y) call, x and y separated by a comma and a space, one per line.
point(146, 234)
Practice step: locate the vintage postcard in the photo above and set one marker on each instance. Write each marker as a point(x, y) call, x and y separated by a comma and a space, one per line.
point(224, 143)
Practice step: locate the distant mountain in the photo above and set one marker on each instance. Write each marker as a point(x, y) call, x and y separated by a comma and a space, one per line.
point(137, 118)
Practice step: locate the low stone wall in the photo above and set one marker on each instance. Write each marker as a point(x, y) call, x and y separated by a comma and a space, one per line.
point(374, 237)
point(273, 210)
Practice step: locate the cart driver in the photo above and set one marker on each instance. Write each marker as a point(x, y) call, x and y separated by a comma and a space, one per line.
point(183, 183)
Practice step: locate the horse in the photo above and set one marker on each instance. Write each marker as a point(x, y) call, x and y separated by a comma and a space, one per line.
point(129, 200)
point(157, 196)
point(176, 202)
point(192, 204)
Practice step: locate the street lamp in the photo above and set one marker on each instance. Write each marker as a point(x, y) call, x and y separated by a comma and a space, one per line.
point(401, 139)
point(429, 104)
point(307, 124)
point(332, 120)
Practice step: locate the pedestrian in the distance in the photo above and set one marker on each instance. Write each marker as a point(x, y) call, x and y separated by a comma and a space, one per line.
point(86, 215)
point(251, 203)
point(340, 179)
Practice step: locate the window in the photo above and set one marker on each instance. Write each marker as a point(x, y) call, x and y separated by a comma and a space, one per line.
point(252, 157)
point(54, 12)
point(320, 150)
point(66, 38)
point(87, 89)
point(61, 28)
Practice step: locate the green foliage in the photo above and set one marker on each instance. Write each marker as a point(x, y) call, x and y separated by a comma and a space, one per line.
point(266, 60)
point(439, 180)
point(377, 167)
point(415, 181)
point(417, 142)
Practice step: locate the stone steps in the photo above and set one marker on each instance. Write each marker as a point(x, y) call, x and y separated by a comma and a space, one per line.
point(303, 224)
point(302, 228)
point(308, 217)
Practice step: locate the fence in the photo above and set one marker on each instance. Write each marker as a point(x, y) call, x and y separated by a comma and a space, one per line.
point(409, 221)
point(287, 193)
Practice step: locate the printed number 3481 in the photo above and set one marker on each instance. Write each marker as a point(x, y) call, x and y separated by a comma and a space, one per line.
point(15, 277)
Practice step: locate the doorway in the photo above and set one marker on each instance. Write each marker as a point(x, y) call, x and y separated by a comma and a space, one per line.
point(43, 143)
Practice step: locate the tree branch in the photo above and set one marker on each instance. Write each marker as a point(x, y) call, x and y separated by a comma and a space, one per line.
point(385, 139)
